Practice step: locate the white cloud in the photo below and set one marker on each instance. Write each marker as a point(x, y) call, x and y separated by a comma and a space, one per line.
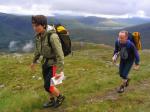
point(141, 13)
point(28, 46)
point(104, 8)
point(13, 45)
point(34, 9)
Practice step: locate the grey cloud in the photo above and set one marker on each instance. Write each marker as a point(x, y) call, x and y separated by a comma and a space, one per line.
point(106, 7)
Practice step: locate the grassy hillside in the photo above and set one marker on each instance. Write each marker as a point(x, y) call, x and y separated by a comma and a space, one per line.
point(90, 85)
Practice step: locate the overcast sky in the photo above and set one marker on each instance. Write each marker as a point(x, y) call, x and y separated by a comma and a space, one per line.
point(103, 8)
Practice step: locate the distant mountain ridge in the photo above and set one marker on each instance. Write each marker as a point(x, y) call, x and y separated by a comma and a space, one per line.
point(92, 29)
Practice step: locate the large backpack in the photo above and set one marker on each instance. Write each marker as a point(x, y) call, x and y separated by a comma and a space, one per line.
point(64, 37)
point(137, 40)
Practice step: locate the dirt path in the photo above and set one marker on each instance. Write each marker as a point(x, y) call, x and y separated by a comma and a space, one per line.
point(113, 95)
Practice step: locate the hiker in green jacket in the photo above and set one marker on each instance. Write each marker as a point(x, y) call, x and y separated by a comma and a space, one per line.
point(47, 45)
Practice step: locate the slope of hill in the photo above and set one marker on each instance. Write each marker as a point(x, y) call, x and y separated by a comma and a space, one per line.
point(92, 35)
point(100, 22)
point(14, 28)
point(109, 36)
point(145, 33)
point(17, 28)
point(90, 85)
point(132, 21)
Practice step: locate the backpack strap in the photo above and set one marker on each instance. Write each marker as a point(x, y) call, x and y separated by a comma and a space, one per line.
point(129, 43)
point(48, 38)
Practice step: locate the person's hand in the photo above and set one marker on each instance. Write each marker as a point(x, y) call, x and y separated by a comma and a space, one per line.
point(136, 67)
point(114, 59)
point(32, 66)
point(58, 75)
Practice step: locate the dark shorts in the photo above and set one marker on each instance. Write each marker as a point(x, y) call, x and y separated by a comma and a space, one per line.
point(124, 68)
point(48, 72)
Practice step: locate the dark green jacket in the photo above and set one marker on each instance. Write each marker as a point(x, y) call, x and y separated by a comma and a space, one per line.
point(53, 52)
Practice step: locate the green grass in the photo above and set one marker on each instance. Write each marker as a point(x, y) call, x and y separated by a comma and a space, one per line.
point(90, 85)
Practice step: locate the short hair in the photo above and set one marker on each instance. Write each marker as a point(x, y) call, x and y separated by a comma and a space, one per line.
point(39, 20)
point(124, 31)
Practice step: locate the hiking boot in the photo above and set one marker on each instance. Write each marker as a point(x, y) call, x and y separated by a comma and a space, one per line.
point(127, 83)
point(50, 103)
point(59, 101)
point(121, 89)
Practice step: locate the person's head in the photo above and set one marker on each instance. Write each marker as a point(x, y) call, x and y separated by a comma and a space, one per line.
point(39, 23)
point(123, 36)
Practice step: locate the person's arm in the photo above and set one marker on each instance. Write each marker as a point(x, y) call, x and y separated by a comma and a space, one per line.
point(36, 54)
point(57, 47)
point(116, 52)
point(116, 47)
